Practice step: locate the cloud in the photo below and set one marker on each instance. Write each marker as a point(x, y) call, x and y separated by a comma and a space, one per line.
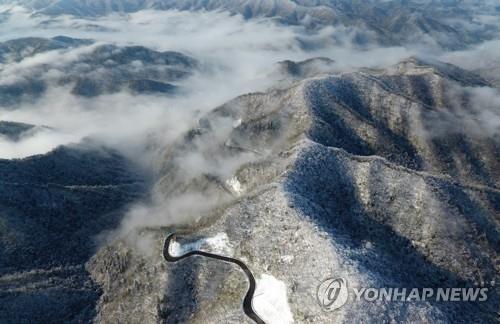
point(32, 66)
point(37, 142)
point(482, 56)
point(471, 111)
point(485, 114)
point(236, 57)
point(121, 120)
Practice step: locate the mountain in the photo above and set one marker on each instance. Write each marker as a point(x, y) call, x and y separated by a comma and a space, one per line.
point(95, 70)
point(18, 49)
point(52, 207)
point(450, 24)
point(337, 176)
point(15, 131)
point(247, 211)
point(307, 68)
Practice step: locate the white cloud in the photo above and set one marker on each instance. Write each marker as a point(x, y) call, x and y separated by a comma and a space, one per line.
point(237, 56)
point(482, 56)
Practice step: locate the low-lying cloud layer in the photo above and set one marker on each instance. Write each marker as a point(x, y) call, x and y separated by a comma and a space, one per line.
point(235, 56)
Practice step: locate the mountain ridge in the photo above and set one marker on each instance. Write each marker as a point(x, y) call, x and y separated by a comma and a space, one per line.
point(369, 218)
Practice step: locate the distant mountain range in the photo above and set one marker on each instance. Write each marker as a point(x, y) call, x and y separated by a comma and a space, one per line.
point(449, 23)
point(14, 131)
point(18, 49)
point(99, 70)
point(385, 176)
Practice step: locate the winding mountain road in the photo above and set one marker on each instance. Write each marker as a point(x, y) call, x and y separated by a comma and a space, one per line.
point(247, 301)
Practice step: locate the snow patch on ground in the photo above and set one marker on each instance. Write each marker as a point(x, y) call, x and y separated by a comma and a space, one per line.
point(270, 301)
point(235, 185)
point(287, 258)
point(237, 123)
point(218, 244)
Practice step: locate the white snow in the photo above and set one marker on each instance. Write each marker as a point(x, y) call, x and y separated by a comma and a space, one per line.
point(287, 258)
point(235, 185)
point(218, 244)
point(270, 301)
point(237, 123)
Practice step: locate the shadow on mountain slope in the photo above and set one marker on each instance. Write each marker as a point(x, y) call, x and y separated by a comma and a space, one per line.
point(366, 202)
point(52, 207)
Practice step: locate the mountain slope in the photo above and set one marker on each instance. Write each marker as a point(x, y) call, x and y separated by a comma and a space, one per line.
point(333, 179)
point(18, 49)
point(90, 70)
point(449, 25)
point(52, 207)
